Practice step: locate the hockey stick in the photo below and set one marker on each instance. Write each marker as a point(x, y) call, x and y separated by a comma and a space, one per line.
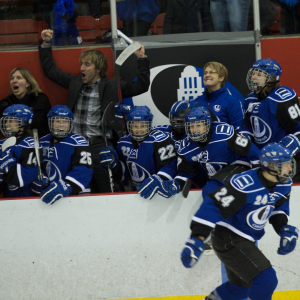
point(107, 117)
point(11, 141)
point(186, 188)
point(37, 153)
point(128, 50)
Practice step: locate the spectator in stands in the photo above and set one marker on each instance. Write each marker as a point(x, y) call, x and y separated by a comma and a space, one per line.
point(230, 15)
point(89, 93)
point(94, 8)
point(289, 16)
point(226, 107)
point(267, 13)
point(137, 16)
point(61, 17)
point(25, 90)
point(188, 16)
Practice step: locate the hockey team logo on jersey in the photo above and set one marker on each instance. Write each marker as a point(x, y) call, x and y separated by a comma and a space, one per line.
point(183, 82)
point(133, 154)
point(261, 130)
point(243, 181)
point(51, 152)
point(29, 141)
point(52, 171)
point(80, 140)
point(203, 156)
point(217, 108)
point(213, 168)
point(258, 218)
point(137, 172)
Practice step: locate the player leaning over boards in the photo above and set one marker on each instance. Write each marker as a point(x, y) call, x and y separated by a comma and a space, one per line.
point(144, 154)
point(18, 166)
point(238, 212)
point(272, 112)
point(66, 158)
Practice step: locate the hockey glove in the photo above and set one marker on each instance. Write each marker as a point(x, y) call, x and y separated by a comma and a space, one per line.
point(288, 239)
point(6, 161)
point(192, 251)
point(291, 142)
point(155, 184)
point(55, 191)
point(121, 110)
point(108, 156)
point(37, 186)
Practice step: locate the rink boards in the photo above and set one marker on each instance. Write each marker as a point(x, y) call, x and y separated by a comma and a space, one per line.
point(117, 247)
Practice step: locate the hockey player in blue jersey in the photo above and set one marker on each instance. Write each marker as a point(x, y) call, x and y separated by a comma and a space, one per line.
point(145, 155)
point(18, 166)
point(235, 214)
point(217, 146)
point(272, 112)
point(216, 96)
point(66, 158)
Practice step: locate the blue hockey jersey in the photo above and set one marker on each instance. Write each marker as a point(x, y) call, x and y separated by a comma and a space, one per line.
point(154, 156)
point(270, 119)
point(243, 205)
point(17, 182)
point(226, 107)
point(225, 146)
point(69, 159)
point(168, 128)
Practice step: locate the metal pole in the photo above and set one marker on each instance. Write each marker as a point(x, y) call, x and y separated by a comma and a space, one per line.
point(113, 14)
point(257, 29)
point(114, 36)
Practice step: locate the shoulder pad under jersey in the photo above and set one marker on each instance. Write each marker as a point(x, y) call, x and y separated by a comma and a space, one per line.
point(222, 129)
point(158, 135)
point(282, 94)
point(165, 128)
point(27, 142)
point(77, 140)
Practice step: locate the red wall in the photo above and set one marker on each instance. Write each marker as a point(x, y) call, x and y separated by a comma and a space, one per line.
point(66, 59)
point(284, 50)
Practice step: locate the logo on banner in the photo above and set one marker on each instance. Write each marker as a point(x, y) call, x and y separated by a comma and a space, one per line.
point(171, 83)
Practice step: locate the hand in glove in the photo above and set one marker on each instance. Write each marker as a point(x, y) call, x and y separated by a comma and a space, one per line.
point(121, 110)
point(108, 156)
point(155, 184)
point(192, 251)
point(288, 239)
point(291, 142)
point(55, 191)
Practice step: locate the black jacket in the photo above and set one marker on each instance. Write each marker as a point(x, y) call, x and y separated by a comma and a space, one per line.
point(108, 91)
point(40, 106)
point(183, 17)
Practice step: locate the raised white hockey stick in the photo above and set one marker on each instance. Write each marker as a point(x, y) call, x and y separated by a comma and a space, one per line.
point(11, 141)
point(37, 153)
point(108, 116)
point(128, 50)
